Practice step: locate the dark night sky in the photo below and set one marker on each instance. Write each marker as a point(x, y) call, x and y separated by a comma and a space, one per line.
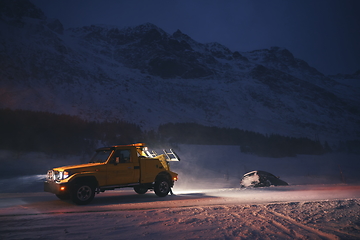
point(325, 33)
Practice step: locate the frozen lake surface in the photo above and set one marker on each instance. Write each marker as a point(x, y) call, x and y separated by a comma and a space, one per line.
point(290, 212)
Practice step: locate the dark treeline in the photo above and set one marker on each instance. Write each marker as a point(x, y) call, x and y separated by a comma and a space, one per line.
point(249, 142)
point(22, 130)
point(25, 131)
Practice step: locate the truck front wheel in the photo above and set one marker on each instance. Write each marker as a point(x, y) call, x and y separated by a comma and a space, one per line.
point(162, 187)
point(83, 193)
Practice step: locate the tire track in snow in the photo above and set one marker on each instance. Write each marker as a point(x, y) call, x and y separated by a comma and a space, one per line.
point(284, 218)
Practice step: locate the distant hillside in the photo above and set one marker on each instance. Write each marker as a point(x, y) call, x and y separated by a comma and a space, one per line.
point(145, 76)
point(26, 131)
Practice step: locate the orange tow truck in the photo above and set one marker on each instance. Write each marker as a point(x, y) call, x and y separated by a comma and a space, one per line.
point(114, 167)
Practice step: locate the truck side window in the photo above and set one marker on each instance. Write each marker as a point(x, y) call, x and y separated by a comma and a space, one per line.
point(122, 156)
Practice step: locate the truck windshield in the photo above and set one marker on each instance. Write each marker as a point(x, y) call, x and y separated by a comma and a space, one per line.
point(100, 156)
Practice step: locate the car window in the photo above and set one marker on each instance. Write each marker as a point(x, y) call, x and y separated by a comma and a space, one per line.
point(122, 156)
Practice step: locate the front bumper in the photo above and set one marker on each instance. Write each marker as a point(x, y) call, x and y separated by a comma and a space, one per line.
point(56, 188)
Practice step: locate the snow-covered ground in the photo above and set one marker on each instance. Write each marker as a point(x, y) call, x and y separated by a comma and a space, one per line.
point(321, 202)
point(294, 212)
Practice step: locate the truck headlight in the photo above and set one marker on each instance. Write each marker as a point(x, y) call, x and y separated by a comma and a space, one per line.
point(63, 175)
point(66, 174)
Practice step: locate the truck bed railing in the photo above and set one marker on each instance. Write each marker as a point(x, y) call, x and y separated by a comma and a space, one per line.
point(151, 154)
point(171, 156)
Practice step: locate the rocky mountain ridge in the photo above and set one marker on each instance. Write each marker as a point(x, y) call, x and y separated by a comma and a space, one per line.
point(144, 75)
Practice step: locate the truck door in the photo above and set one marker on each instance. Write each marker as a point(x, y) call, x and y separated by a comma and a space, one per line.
point(121, 168)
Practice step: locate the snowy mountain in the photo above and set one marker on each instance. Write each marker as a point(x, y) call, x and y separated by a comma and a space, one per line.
point(144, 75)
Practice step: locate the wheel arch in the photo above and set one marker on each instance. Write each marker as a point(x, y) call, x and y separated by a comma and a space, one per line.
point(85, 179)
point(165, 175)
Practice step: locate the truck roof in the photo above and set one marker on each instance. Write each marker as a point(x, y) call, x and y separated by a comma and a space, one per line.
point(137, 145)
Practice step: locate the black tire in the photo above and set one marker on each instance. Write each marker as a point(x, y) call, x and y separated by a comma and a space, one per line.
point(162, 187)
point(63, 196)
point(267, 183)
point(140, 189)
point(83, 193)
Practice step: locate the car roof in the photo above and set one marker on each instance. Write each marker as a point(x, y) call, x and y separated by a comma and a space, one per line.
point(258, 171)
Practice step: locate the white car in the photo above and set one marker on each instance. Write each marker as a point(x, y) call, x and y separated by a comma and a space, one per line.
point(260, 179)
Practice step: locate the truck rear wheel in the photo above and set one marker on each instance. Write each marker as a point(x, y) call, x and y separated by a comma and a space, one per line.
point(140, 189)
point(162, 187)
point(83, 193)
